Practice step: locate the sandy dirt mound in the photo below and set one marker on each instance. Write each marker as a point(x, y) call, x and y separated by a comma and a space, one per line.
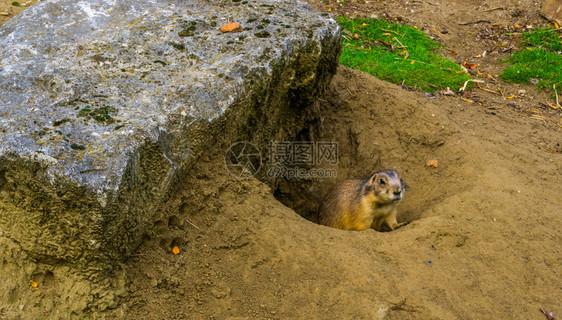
point(483, 242)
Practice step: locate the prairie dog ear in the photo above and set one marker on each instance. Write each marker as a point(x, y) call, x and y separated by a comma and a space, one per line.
point(404, 185)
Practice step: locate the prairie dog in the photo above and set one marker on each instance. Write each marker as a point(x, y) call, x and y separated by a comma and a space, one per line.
point(363, 204)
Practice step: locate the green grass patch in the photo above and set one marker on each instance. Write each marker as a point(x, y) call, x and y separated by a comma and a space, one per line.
point(538, 59)
point(398, 53)
point(545, 37)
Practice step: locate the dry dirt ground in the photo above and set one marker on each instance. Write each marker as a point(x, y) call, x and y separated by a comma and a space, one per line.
point(485, 236)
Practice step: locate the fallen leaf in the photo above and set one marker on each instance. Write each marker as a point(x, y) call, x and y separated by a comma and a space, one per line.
point(355, 36)
point(176, 250)
point(384, 42)
point(231, 27)
point(413, 61)
point(453, 53)
point(510, 97)
point(467, 100)
point(34, 284)
point(329, 9)
point(432, 163)
point(448, 92)
point(386, 34)
point(469, 65)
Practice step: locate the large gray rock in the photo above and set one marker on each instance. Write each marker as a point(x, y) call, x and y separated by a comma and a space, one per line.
point(103, 103)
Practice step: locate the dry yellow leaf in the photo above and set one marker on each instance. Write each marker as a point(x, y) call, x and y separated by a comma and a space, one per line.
point(552, 106)
point(176, 250)
point(469, 65)
point(34, 284)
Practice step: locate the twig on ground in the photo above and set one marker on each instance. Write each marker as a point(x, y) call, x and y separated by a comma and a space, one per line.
point(556, 93)
point(391, 31)
point(191, 223)
point(403, 46)
point(548, 315)
point(496, 8)
point(467, 81)
point(439, 32)
point(491, 91)
point(508, 49)
point(348, 33)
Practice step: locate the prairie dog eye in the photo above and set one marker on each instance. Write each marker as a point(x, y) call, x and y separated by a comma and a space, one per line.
point(381, 181)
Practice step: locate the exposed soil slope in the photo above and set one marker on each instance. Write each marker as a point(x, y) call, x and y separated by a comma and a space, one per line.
point(484, 241)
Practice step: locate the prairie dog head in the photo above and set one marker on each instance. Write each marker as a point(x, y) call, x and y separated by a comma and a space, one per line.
point(387, 186)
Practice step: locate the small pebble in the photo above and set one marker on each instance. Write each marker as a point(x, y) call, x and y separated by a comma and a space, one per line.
point(432, 163)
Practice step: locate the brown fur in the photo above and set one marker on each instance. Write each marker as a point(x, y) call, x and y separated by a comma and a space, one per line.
point(363, 204)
